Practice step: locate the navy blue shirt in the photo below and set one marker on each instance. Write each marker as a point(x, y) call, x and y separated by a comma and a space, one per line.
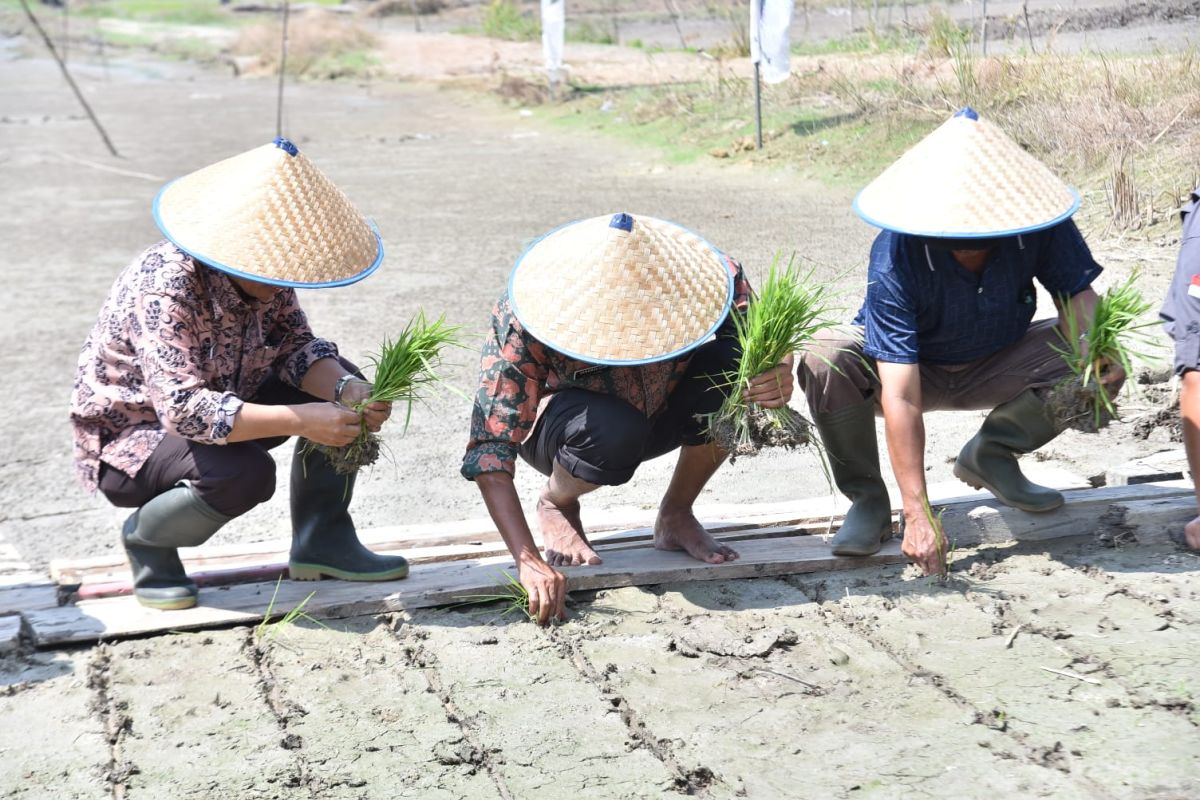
point(923, 306)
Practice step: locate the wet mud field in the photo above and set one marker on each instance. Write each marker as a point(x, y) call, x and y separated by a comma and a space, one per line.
point(1061, 673)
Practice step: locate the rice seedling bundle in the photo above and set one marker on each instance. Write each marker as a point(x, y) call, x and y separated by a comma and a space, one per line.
point(404, 368)
point(1117, 335)
point(785, 317)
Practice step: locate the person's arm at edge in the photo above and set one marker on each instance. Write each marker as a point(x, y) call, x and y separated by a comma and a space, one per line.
point(904, 425)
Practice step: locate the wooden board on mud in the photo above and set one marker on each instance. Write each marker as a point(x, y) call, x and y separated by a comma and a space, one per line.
point(783, 550)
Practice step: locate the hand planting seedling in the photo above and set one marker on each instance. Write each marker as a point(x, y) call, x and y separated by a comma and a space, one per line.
point(509, 591)
point(1082, 401)
point(403, 368)
point(783, 318)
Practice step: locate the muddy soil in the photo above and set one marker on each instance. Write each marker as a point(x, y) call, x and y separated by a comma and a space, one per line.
point(1060, 672)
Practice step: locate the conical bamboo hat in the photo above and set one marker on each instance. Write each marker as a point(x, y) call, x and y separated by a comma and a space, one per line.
point(966, 180)
point(269, 215)
point(621, 290)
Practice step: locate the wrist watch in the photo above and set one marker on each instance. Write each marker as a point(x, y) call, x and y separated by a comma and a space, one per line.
point(340, 386)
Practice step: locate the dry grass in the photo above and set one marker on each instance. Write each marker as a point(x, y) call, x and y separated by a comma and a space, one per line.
point(320, 46)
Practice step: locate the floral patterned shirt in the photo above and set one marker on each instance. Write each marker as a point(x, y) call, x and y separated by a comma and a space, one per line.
point(518, 374)
point(177, 349)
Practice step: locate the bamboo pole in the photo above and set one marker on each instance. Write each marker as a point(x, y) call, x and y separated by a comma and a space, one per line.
point(283, 43)
point(70, 81)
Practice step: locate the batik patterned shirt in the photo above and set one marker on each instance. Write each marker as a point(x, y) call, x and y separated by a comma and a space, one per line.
point(178, 349)
point(518, 375)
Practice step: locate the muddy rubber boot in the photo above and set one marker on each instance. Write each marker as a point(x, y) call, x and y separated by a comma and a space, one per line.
point(176, 518)
point(849, 438)
point(989, 461)
point(324, 542)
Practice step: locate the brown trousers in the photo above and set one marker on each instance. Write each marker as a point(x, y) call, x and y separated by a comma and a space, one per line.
point(834, 373)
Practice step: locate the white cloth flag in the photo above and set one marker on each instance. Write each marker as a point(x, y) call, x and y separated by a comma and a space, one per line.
point(769, 42)
point(554, 23)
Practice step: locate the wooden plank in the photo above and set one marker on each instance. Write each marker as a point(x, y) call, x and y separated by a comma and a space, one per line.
point(969, 524)
point(10, 633)
point(1159, 521)
point(470, 538)
point(28, 597)
point(437, 584)
point(1166, 465)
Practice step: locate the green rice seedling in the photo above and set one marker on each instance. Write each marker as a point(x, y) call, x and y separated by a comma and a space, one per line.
point(944, 549)
point(509, 591)
point(1116, 336)
point(268, 630)
point(786, 315)
point(404, 369)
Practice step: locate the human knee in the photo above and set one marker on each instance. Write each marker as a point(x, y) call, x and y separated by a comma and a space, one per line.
point(606, 447)
point(832, 355)
point(241, 478)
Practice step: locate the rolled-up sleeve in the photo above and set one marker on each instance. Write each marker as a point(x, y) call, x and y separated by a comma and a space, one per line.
point(299, 348)
point(169, 354)
point(512, 371)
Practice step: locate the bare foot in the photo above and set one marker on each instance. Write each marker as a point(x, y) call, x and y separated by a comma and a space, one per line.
point(1191, 534)
point(678, 529)
point(562, 535)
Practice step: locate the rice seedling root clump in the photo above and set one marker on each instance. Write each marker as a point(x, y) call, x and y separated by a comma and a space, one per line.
point(362, 452)
point(784, 428)
point(1076, 406)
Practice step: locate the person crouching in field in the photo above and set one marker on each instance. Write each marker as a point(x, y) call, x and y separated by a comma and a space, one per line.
point(202, 360)
point(1181, 316)
point(602, 355)
point(969, 221)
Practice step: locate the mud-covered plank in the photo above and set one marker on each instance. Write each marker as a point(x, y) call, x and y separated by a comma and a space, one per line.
point(751, 687)
point(433, 585)
point(196, 724)
point(52, 741)
point(365, 723)
point(546, 730)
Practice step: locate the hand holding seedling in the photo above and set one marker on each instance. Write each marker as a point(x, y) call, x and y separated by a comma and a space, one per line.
point(327, 423)
point(773, 388)
point(925, 541)
point(547, 588)
point(355, 396)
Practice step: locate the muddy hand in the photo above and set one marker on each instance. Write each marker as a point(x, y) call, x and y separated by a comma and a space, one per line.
point(1191, 534)
point(773, 388)
point(1112, 377)
point(547, 589)
point(375, 415)
point(922, 544)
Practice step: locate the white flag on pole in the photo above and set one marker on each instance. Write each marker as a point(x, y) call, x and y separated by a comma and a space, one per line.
point(554, 23)
point(769, 41)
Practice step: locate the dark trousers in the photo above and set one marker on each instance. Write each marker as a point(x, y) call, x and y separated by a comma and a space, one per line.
point(602, 439)
point(232, 478)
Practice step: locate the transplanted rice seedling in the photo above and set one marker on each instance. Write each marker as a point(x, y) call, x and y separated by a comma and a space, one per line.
point(784, 317)
point(939, 531)
point(509, 591)
point(403, 369)
point(1118, 327)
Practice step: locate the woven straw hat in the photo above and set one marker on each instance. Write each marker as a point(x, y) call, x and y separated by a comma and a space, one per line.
point(270, 216)
point(623, 290)
point(966, 180)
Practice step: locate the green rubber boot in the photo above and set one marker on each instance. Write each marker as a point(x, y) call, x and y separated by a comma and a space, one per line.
point(989, 461)
point(324, 542)
point(849, 438)
point(176, 518)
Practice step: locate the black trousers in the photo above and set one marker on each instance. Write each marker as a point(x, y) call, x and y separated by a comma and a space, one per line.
point(232, 478)
point(602, 439)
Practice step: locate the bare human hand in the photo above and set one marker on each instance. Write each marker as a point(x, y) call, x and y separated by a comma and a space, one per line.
point(328, 423)
point(355, 393)
point(773, 388)
point(547, 589)
point(924, 545)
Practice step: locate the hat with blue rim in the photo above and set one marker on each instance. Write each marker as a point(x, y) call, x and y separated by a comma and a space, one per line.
point(621, 290)
point(966, 180)
point(269, 215)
